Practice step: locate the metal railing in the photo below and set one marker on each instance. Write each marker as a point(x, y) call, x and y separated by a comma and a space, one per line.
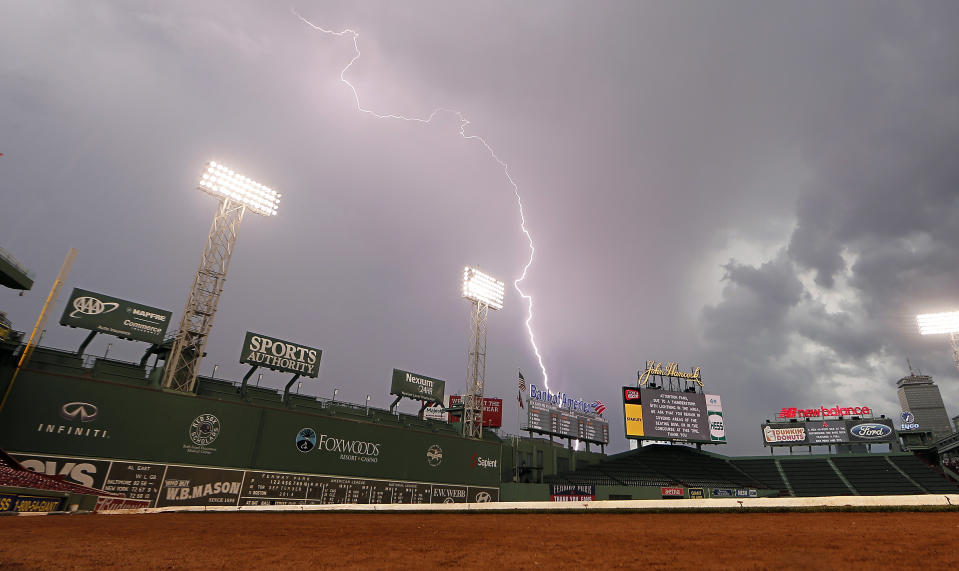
point(10, 259)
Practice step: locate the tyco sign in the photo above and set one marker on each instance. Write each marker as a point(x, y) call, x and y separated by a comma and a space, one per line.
point(415, 386)
point(279, 355)
point(114, 316)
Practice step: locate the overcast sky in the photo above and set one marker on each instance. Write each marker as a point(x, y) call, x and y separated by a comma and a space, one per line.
point(768, 190)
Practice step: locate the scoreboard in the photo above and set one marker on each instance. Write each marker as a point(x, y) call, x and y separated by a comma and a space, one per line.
point(547, 419)
point(676, 416)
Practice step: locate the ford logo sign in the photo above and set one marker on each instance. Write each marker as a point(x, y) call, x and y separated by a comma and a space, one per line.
point(870, 430)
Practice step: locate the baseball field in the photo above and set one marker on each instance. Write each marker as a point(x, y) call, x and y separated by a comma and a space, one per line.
point(821, 540)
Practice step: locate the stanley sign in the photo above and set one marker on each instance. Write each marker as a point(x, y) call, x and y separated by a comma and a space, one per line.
point(278, 355)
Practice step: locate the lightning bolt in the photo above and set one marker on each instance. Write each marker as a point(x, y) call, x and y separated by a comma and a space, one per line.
point(463, 124)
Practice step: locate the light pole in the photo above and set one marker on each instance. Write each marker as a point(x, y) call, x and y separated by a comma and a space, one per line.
point(940, 323)
point(237, 194)
point(485, 293)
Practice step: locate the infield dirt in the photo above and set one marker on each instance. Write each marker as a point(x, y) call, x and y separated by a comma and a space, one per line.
point(483, 541)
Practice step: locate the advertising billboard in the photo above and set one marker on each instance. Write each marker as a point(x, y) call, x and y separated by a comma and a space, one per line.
point(492, 411)
point(654, 414)
point(279, 355)
point(572, 492)
point(416, 386)
point(115, 316)
point(828, 432)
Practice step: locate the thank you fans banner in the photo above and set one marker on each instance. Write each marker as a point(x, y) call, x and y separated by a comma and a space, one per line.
point(278, 355)
point(115, 316)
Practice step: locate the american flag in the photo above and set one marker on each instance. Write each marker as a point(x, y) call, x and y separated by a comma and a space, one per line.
point(522, 389)
point(599, 407)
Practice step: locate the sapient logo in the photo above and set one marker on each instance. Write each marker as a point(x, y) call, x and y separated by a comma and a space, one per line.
point(480, 462)
point(306, 439)
point(870, 430)
point(204, 429)
point(434, 455)
point(87, 305)
point(85, 411)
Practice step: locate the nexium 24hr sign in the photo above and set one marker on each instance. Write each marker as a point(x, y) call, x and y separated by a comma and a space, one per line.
point(115, 316)
point(278, 355)
point(416, 386)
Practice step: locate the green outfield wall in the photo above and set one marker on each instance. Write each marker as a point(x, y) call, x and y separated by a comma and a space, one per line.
point(60, 416)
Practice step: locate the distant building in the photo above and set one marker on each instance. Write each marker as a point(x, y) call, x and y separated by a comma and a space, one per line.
point(920, 396)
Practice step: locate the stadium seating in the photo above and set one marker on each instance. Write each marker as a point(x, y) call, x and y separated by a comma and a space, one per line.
point(691, 467)
point(762, 470)
point(924, 475)
point(22, 478)
point(873, 476)
point(658, 466)
point(813, 477)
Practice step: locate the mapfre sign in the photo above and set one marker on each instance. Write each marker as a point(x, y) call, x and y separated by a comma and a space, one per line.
point(824, 412)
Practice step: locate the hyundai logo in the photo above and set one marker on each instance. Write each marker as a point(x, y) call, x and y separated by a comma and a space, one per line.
point(870, 430)
point(85, 411)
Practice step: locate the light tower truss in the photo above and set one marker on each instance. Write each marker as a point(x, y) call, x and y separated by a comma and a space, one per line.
point(939, 323)
point(237, 194)
point(485, 293)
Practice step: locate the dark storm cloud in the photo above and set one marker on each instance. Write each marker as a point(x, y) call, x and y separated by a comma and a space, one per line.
point(875, 224)
point(647, 140)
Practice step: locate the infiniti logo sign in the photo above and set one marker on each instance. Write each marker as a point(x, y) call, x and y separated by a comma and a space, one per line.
point(84, 411)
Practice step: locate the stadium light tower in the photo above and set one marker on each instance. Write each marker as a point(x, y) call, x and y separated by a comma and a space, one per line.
point(485, 293)
point(237, 194)
point(939, 323)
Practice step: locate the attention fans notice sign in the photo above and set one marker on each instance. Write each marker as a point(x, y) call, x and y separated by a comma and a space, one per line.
point(115, 316)
point(278, 355)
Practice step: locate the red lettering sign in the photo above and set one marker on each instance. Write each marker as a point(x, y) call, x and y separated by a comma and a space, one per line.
point(672, 492)
point(492, 411)
point(824, 411)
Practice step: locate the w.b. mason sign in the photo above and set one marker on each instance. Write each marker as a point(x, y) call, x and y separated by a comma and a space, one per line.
point(279, 355)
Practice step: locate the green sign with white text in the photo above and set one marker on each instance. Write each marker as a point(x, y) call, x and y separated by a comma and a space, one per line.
point(279, 355)
point(114, 316)
point(416, 386)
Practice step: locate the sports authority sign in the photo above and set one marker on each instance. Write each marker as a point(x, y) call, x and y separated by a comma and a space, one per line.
point(416, 386)
point(278, 355)
point(115, 316)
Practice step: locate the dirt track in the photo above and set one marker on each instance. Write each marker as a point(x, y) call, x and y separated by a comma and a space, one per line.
point(515, 541)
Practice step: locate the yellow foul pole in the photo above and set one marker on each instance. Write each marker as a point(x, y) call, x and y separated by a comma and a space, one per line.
point(41, 321)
